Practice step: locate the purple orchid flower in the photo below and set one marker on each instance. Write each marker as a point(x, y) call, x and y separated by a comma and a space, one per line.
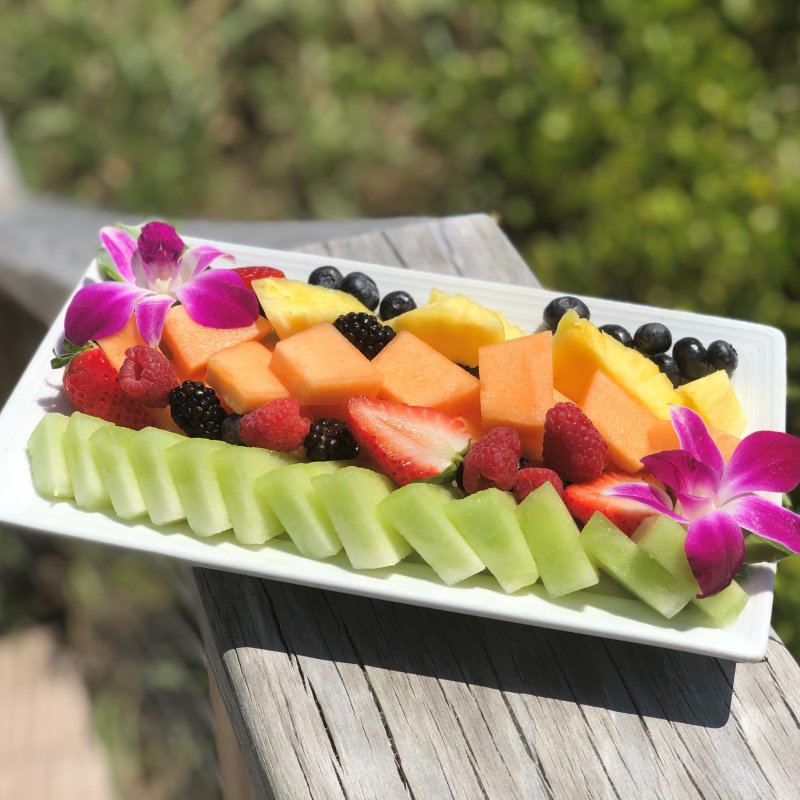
point(156, 270)
point(717, 500)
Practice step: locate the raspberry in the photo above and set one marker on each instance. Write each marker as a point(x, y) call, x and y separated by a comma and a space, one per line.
point(530, 478)
point(573, 447)
point(277, 425)
point(147, 376)
point(492, 461)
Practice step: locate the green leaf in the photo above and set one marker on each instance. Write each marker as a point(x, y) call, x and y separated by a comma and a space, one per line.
point(70, 351)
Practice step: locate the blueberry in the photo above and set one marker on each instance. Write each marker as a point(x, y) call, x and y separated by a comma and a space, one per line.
point(396, 303)
point(328, 277)
point(652, 338)
point(619, 333)
point(722, 355)
point(230, 429)
point(363, 288)
point(691, 358)
point(474, 371)
point(556, 309)
point(669, 366)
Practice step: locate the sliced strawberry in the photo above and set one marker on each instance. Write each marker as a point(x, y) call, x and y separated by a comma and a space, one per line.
point(583, 499)
point(250, 274)
point(408, 443)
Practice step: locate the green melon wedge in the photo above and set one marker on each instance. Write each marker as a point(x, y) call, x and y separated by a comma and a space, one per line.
point(554, 541)
point(49, 468)
point(147, 451)
point(350, 497)
point(416, 512)
point(90, 491)
point(488, 521)
point(291, 495)
point(664, 539)
point(634, 567)
point(253, 521)
point(109, 446)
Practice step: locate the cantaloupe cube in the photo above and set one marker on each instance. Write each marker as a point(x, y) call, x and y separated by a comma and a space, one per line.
point(242, 377)
point(114, 346)
point(320, 367)
point(517, 387)
point(416, 374)
point(191, 345)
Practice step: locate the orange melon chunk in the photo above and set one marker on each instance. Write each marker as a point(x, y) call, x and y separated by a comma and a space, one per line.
point(416, 374)
point(517, 387)
point(242, 377)
point(191, 345)
point(321, 368)
point(115, 345)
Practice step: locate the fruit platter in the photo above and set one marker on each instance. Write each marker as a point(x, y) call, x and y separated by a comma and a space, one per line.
point(514, 453)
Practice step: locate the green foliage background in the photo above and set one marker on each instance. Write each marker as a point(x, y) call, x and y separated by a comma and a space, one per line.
point(640, 151)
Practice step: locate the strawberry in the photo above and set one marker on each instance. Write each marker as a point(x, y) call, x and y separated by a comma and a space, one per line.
point(408, 443)
point(250, 274)
point(90, 383)
point(583, 499)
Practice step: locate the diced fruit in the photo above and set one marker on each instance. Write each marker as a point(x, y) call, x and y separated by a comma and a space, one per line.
point(291, 495)
point(583, 499)
point(363, 288)
point(242, 377)
point(634, 567)
point(691, 358)
point(196, 410)
point(250, 274)
point(554, 542)
point(492, 461)
point(147, 454)
point(516, 387)
point(396, 303)
point(559, 306)
point(147, 376)
point(350, 497)
point(669, 366)
point(320, 367)
point(329, 439)
point(328, 277)
point(49, 468)
point(191, 464)
point(115, 345)
point(191, 345)
point(622, 335)
point(510, 330)
point(90, 492)
point(407, 443)
point(722, 355)
point(530, 478)
point(418, 375)
point(109, 447)
point(714, 399)
point(277, 425)
point(572, 446)
point(663, 437)
point(652, 338)
point(365, 332)
point(417, 512)
point(488, 522)
point(293, 306)
point(237, 469)
point(664, 539)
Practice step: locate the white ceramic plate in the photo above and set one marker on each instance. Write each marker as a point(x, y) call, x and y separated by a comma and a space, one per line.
point(760, 382)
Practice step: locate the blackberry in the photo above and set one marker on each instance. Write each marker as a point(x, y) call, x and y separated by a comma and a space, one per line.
point(722, 355)
point(652, 338)
point(363, 288)
point(328, 277)
point(330, 440)
point(556, 309)
point(396, 303)
point(619, 333)
point(364, 331)
point(196, 410)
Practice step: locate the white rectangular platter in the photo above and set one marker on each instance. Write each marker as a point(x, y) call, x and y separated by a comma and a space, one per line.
point(760, 382)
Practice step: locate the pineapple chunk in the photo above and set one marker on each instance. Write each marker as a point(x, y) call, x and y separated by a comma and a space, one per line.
point(510, 331)
point(715, 400)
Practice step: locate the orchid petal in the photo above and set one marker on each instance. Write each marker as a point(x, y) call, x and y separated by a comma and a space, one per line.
point(646, 494)
point(765, 461)
point(150, 315)
point(194, 261)
point(761, 516)
point(160, 248)
point(99, 310)
point(694, 437)
point(693, 506)
point(715, 551)
point(218, 298)
point(121, 246)
point(682, 472)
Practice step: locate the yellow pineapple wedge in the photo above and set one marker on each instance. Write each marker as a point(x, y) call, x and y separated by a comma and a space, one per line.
point(714, 399)
point(579, 349)
point(293, 306)
point(510, 331)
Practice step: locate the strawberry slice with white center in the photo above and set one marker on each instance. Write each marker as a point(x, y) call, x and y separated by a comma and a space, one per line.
point(408, 443)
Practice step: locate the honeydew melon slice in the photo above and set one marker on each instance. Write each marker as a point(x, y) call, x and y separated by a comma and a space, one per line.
point(191, 463)
point(49, 468)
point(90, 492)
point(109, 446)
point(664, 539)
point(555, 542)
point(237, 469)
point(350, 497)
point(488, 521)
point(416, 512)
point(291, 495)
point(634, 567)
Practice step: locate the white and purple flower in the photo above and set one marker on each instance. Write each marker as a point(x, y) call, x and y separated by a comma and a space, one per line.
point(156, 271)
point(716, 500)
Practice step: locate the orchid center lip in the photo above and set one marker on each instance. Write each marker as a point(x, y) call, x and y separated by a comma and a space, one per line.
point(162, 285)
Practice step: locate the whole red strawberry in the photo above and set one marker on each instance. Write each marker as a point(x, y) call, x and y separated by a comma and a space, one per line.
point(573, 447)
point(250, 274)
point(90, 383)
